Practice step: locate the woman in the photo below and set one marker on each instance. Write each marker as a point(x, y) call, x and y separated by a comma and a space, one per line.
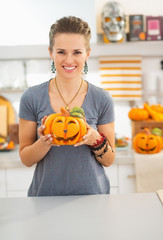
point(67, 170)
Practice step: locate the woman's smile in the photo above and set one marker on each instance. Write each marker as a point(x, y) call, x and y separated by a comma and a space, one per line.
point(69, 68)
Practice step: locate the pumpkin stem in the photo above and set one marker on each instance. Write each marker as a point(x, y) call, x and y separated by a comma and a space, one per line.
point(64, 112)
point(146, 131)
point(77, 112)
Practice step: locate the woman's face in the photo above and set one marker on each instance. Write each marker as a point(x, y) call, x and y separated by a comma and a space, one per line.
point(69, 54)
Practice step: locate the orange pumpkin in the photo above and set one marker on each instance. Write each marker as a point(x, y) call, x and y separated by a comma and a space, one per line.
point(147, 143)
point(138, 114)
point(66, 128)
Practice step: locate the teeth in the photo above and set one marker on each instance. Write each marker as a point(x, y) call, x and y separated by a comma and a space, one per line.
point(69, 68)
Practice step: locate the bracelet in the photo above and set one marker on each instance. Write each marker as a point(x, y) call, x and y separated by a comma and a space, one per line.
point(105, 150)
point(98, 142)
point(99, 146)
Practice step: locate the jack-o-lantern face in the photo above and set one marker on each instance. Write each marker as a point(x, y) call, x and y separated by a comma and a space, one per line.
point(65, 130)
point(147, 143)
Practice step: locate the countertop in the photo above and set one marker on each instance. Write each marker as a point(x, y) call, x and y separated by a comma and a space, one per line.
point(88, 217)
point(11, 159)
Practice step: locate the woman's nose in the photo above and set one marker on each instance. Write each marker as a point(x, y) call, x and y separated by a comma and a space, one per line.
point(69, 59)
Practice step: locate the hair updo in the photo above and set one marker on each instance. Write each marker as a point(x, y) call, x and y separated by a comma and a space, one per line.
point(70, 25)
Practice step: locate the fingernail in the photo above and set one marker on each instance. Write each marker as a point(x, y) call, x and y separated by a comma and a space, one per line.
point(49, 135)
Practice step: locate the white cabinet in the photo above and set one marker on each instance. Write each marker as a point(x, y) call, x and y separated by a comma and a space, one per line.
point(2, 183)
point(14, 182)
point(18, 181)
point(112, 173)
point(122, 178)
point(126, 179)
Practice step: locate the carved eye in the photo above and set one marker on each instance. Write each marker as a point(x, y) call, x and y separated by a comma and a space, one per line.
point(151, 138)
point(59, 121)
point(107, 19)
point(119, 19)
point(71, 122)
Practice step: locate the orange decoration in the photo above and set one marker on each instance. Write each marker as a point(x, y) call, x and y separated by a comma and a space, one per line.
point(10, 145)
point(66, 128)
point(138, 114)
point(147, 143)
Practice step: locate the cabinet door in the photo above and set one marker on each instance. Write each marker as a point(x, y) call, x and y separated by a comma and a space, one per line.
point(112, 173)
point(2, 183)
point(126, 175)
point(18, 181)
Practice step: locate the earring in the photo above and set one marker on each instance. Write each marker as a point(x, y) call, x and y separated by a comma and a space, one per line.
point(53, 69)
point(86, 68)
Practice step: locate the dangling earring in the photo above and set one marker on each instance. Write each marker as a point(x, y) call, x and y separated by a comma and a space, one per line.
point(53, 69)
point(86, 68)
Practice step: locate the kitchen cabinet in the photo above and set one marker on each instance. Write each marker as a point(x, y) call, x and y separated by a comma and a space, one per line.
point(14, 182)
point(112, 173)
point(126, 179)
point(2, 183)
point(18, 181)
point(15, 178)
point(122, 178)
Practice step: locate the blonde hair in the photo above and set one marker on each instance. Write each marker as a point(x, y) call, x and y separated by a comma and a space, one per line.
point(70, 24)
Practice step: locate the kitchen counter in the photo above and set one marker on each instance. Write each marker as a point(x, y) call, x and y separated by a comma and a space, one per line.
point(87, 217)
point(11, 159)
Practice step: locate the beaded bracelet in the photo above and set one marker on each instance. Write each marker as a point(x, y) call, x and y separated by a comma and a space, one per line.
point(99, 146)
point(104, 151)
point(98, 142)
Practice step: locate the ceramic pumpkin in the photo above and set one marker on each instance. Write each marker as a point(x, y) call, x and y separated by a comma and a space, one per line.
point(66, 128)
point(147, 143)
point(138, 114)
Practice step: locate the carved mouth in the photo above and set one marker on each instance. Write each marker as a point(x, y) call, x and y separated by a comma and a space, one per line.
point(65, 139)
point(147, 150)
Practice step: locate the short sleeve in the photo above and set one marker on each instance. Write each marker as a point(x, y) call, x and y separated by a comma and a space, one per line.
point(106, 110)
point(26, 109)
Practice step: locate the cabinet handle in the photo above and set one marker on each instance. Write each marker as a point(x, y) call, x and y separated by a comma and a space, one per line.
point(131, 176)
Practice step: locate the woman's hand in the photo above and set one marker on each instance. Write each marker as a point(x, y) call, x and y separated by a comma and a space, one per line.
point(46, 139)
point(90, 138)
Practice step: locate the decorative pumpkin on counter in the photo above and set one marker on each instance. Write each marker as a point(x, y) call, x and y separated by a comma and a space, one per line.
point(66, 128)
point(138, 114)
point(157, 108)
point(157, 116)
point(147, 143)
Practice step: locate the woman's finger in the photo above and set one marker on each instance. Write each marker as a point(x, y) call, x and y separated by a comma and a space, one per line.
point(43, 120)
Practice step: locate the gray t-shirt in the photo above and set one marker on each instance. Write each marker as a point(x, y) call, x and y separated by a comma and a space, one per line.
point(68, 170)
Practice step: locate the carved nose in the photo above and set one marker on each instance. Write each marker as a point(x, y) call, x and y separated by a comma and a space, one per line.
point(65, 131)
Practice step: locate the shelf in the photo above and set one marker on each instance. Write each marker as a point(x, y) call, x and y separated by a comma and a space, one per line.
point(16, 90)
point(144, 48)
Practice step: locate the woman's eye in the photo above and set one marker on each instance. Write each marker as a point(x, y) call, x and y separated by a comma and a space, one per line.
point(77, 52)
point(61, 52)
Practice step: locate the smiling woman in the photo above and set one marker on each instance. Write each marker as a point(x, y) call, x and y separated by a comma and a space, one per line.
point(69, 150)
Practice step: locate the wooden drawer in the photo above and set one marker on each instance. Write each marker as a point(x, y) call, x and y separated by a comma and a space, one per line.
point(138, 126)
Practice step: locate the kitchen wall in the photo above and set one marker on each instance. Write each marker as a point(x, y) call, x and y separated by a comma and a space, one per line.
point(38, 70)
